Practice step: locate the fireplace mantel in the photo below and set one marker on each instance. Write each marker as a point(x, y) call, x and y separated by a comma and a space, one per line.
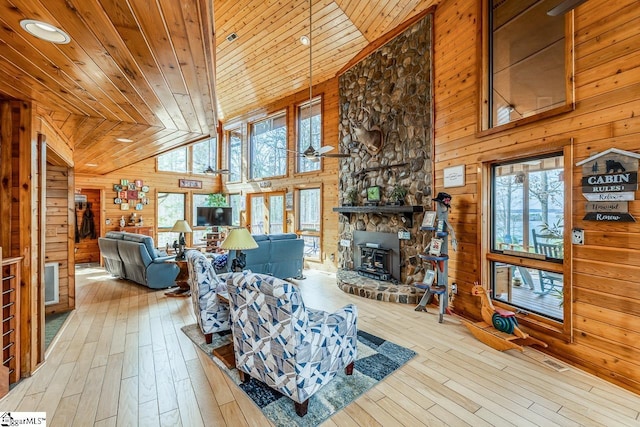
point(406, 211)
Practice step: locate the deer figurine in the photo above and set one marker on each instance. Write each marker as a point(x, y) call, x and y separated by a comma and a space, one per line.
point(502, 320)
point(371, 138)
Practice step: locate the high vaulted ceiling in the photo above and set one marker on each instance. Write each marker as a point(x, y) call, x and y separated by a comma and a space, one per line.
point(144, 70)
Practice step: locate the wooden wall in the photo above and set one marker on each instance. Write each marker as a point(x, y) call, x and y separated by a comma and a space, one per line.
point(59, 184)
point(605, 276)
point(157, 181)
point(326, 178)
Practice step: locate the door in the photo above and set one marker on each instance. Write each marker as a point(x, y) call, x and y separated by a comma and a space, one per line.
point(266, 213)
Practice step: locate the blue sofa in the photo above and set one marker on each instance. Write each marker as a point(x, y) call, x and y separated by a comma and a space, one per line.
point(278, 255)
point(133, 257)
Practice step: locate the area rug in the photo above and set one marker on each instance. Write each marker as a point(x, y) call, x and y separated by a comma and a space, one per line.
point(52, 325)
point(377, 358)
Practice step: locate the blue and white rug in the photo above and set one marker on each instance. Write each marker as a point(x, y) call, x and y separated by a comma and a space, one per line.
point(377, 358)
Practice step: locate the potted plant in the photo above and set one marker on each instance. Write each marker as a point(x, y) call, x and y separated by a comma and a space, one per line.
point(397, 194)
point(351, 197)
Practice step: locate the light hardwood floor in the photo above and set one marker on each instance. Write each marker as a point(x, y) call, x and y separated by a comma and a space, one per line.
point(122, 360)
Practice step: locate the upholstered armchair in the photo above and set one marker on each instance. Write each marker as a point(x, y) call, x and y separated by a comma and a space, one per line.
point(289, 347)
point(211, 313)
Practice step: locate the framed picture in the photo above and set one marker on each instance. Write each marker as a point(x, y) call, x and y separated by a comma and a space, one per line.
point(138, 183)
point(117, 188)
point(145, 188)
point(139, 206)
point(454, 176)
point(435, 247)
point(373, 194)
point(132, 194)
point(122, 194)
point(124, 182)
point(117, 200)
point(132, 186)
point(429, 219)
point(429, 277)
point(124, 206)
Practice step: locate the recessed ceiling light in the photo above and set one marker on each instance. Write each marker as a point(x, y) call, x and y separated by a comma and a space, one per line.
point(92, 165)
point(304, 40)
point(124, 140)
point(45, 31)
point(231, 37)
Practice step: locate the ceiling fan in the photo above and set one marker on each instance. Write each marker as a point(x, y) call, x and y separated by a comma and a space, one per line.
point(211, 171)
point(314, 155)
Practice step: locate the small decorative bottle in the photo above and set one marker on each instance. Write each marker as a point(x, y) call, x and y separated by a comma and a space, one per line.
point(122, 222)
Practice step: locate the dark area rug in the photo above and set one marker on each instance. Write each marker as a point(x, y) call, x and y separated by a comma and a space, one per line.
point(377, 358)
point(52, 325)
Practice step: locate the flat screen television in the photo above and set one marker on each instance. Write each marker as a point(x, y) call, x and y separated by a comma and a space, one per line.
point(207, 216)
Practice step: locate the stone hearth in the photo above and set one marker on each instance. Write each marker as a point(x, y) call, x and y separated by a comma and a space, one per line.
point(351, 282)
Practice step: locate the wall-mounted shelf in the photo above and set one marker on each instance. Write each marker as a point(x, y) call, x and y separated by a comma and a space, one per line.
point(406, 211)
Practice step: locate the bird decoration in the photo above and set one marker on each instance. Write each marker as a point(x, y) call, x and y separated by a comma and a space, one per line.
point(502, 320)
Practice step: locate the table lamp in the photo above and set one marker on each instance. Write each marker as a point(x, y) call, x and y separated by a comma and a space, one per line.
point(181, 226)
point(239, 239)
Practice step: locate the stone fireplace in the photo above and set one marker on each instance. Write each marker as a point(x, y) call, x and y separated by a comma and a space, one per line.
point(386, 126)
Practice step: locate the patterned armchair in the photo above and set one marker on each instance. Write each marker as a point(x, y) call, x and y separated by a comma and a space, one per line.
point(289, 347)
point(211, 313)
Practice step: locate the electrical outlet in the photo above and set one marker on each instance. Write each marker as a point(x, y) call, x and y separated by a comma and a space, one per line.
point(577, 236)
point(454, 288)
point(404, 235)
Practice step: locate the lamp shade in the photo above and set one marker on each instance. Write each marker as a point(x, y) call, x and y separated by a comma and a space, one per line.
point(239, 239)
point(181, 226)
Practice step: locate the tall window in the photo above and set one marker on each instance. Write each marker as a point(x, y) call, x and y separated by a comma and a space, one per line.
point(234, 139)
point(268, 147)
point(527, 236)
point(526, 62)
point(173, 161)
point(309, 114)
point(235, 201)
point(204, 155)
point(170, 209)
point(309, 220)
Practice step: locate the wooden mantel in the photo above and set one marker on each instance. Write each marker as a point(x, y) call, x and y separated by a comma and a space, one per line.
point(405, 211)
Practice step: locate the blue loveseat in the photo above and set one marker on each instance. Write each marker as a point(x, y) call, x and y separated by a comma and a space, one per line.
point(133, 257)
point(278, 255)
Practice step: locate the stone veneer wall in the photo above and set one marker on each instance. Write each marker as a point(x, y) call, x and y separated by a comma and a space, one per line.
point(390, 89)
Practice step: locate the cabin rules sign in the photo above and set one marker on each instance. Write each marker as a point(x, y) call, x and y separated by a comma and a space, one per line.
point(609, 181)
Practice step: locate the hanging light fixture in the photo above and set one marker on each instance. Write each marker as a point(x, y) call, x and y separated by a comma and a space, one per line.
point(310, 149)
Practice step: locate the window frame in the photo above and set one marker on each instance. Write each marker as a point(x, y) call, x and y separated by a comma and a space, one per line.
point(485, 80)
point(309, 233)
point(213, 155)
point(560, 330)
point(299, 159)
point(228, 136)
point(186, 163)
point(164, 229)
point(251, 149)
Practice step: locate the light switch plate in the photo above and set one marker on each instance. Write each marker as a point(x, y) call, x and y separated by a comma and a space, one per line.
point(577, 236)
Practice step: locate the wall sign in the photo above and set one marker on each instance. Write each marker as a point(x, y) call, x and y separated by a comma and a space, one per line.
point(454, 176)
point(609, 181)
point(189, 183)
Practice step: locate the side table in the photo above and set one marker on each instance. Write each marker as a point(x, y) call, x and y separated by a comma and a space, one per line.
point(226, 353)
point(182, 280)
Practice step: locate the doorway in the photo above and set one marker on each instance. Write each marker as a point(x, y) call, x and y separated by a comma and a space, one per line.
point(87, 226)
point(266, 213)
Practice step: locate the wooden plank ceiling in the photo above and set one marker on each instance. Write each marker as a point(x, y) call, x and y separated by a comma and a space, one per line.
point(145, 70)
